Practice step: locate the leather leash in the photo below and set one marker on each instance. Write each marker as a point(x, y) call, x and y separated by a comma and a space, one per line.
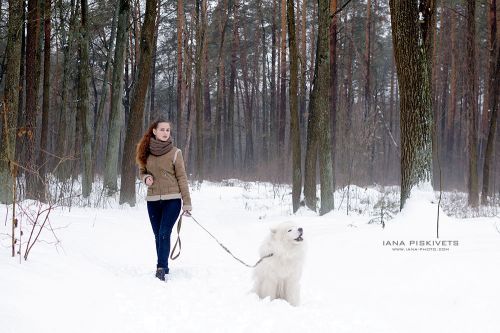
point(208, 232)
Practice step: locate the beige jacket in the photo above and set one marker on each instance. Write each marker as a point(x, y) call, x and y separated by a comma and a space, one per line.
point(169, 178)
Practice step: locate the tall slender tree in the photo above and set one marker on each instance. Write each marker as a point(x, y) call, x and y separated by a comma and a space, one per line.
point(42, 156)
point(333, 79)
point(10, 101)
point(68, 41)
point(116, 113)
point(493, 83)
point(180, 83)
point(229, 129)
point(105, 86)
point(198, 87)
point(471, 105)
point(83, 102)
point(217, 147)
point(294, 110)
point(367, 59)
point(134, 126)
point(32, 85)
point(282, 93)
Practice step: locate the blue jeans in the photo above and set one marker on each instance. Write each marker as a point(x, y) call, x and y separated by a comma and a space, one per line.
point(163, 214)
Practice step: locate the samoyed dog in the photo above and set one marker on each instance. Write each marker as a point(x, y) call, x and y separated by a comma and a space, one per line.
point(278, 276)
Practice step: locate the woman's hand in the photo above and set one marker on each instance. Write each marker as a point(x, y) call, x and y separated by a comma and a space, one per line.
point(149, 180)
point(186, 212)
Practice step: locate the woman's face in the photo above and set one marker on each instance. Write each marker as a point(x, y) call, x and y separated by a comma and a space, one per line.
point(162, 131)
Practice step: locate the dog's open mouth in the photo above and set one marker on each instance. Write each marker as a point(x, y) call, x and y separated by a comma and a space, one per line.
point(299, 239)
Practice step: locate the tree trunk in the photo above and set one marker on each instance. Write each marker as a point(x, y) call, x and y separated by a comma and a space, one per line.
point(198, 89)
point(116, 112)
point(367, 97)
point(63, 171)
point(294, 110)
point(42, 156)
point(273, 103)
point(104, 88)
point(217, 147)
point(207, 106)
point(303, 65)
point(153, 112)
point(322, 106)
point(282, 105)
point(318, 131)
point(10, 101)
point(248, 159)
point(412, 48)
point(265, 112)
point(441, 118)
point(452, 103)
point(491, 12)
point(32, 85)
point(471, 105)
point(229, 132)
point(333, 80)
point(134, 126)
point(20, 150)
point(492, 102)
point(83, 104)
point(180, 98)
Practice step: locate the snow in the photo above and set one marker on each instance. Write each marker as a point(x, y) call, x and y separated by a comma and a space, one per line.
point(100, 276)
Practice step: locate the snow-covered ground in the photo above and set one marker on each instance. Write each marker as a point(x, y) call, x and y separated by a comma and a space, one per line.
point(99, 277)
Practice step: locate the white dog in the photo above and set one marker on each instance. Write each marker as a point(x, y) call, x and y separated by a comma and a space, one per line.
point(278, 276)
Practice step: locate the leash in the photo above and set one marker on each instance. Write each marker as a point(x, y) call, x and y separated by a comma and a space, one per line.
point(218, 242)
point(178, 241)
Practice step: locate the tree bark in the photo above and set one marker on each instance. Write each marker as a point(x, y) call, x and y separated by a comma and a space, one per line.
point(265, 134)
point(217, 147)
point(229, 132)
point(248, 158)
point(318, 131)
point(294, 110)
point(104, 88)
point(452, 102)
point(10, 101)
point(116, 112)
point(303, 64)
point(412, 49)
point(492, 102)
point(333, 80)
point(32, 85)
point(83, 103)
point(282, 104)
point(62, 151)
point(198, 89)
point(134, 126)
point(367, 94)
point(42, 156)
point(471, 105)
point(180, 96)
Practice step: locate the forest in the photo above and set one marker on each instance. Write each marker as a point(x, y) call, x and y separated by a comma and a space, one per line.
point(321, 93)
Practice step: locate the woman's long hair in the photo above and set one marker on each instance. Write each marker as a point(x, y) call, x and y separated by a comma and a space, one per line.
point(142, 150)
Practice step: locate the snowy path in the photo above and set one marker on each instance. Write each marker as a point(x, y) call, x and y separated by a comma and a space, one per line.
point(101, 279)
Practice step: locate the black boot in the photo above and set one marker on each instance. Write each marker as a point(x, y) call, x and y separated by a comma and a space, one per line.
point(160, 273)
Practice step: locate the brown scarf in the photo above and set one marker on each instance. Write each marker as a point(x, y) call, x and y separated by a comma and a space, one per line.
point(158, 147)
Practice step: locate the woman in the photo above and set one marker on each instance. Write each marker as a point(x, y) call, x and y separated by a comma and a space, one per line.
point(162, 169)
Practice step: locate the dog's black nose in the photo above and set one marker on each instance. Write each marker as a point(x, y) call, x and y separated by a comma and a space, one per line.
point(300, 229)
